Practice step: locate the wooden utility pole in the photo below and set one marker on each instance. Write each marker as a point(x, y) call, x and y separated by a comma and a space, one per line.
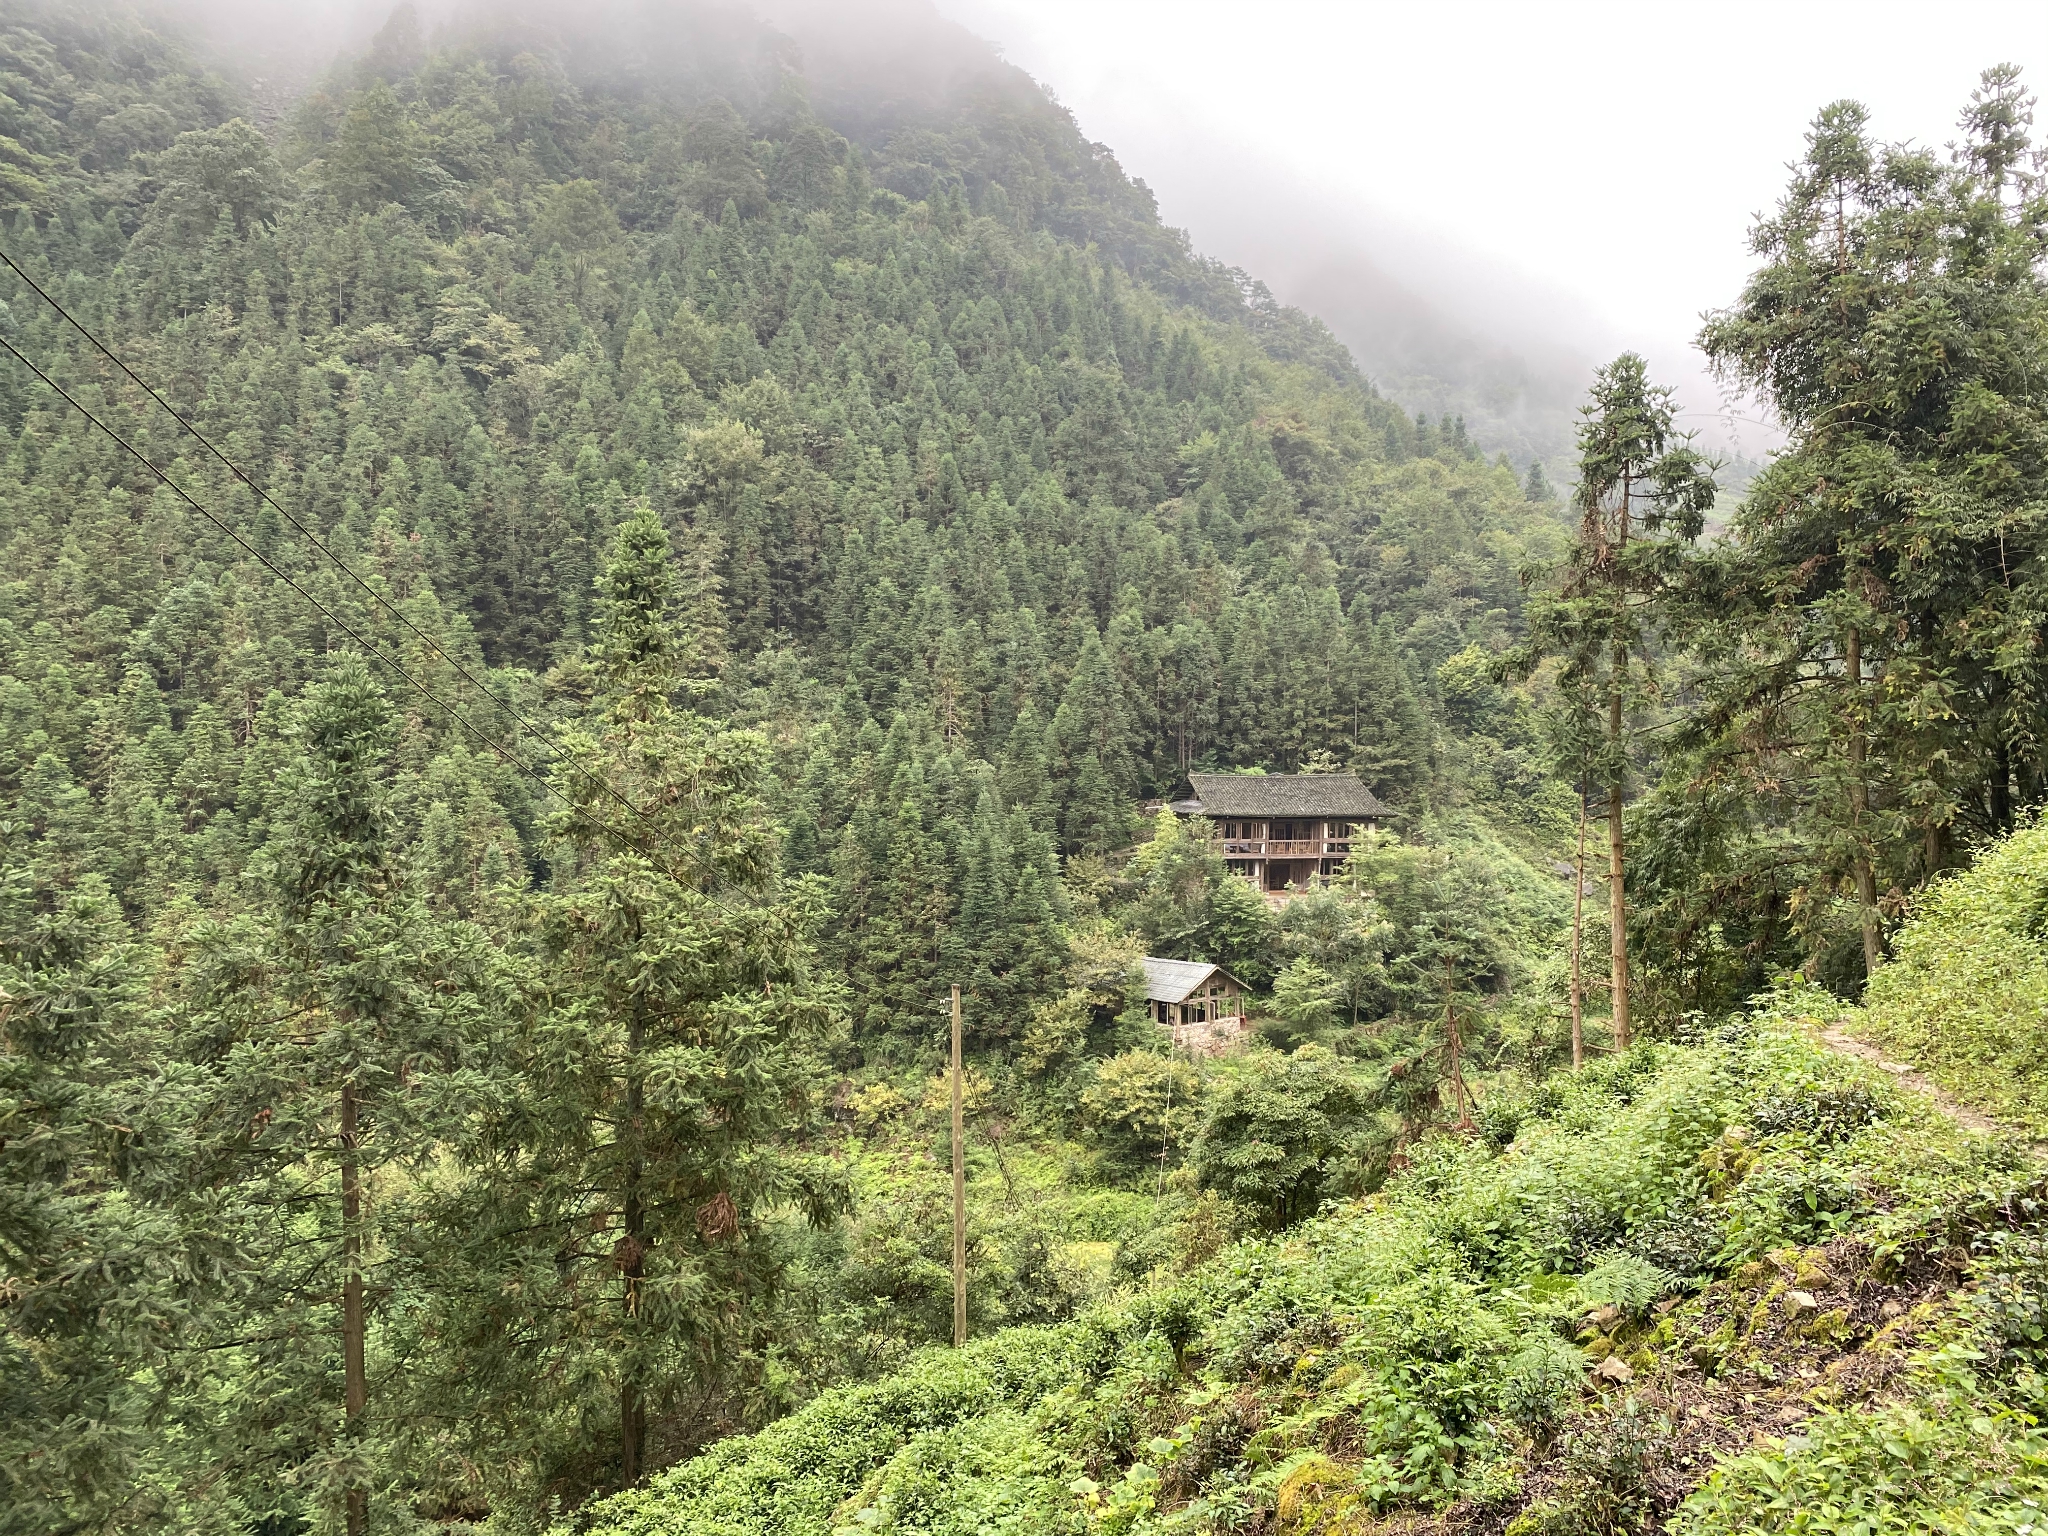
point(1451, 1034)
point(1578, 939)
point(959, 1193)
point(355, 1391)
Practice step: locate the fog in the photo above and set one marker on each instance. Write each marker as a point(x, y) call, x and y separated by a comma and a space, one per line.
point(1449, 182)
point(1482, 200)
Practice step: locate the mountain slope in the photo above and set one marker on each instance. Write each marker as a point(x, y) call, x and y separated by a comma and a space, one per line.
point(1746, 1249)
point(976, 509)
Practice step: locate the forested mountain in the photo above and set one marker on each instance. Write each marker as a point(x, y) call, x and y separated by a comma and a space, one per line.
point(956, 429)
point(993, 509)
point(563, 587)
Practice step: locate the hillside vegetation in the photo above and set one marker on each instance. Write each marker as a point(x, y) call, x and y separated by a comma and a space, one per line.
point(1555, 1327)
point(775, 547)
point(1966, 994)
point(566, 582)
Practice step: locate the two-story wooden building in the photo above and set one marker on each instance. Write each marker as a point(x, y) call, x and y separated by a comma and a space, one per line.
point(1279, 830)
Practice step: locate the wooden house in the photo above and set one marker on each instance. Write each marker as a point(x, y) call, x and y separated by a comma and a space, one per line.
point(1280, 830)
point(1201, 1006)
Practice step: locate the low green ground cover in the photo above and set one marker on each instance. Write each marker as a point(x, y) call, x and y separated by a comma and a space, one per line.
point(1538, 1325)
point(1966, 992)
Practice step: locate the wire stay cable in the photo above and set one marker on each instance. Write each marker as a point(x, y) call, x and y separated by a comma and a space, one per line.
point(503, 752)
point(312, 537)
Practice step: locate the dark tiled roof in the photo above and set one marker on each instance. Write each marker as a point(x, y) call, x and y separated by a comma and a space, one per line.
point(1170, 981)
point(1280, 794)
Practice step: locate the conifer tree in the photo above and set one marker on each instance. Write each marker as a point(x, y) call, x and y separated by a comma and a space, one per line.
point(669, 1057)
point(1642, 498)
point(1874, 621)
point(333, 1023)
point(92, 1260)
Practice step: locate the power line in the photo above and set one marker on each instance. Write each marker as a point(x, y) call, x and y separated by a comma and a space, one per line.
point(312, 537)
point(498, 747)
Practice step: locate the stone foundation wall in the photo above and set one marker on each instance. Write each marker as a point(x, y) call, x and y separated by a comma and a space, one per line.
point(1212, 1037)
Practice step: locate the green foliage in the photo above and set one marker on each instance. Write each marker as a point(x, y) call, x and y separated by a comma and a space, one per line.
point(1143, 1107)
point(853, 508)
point(1282, 1132)
point(1951, 1461)
point(1966, 992)
point(1867, 704)
point(662, 1086)
point(1305, 997)
point(1185, 905)
point(1397, 1357)
point(94, 1290)
point(1626, 1282)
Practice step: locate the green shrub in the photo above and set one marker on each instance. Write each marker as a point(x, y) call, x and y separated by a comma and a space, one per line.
point(1280, 1130)
point(1953, 1463)
point(1143, 1107)
point(791, 1478)
point(1403, 1353)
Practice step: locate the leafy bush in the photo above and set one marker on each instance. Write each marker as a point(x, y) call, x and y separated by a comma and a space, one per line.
point(1142, 1107)
point(1830, 1112)
point(1951, 1463)
point(1604, 1486)
point(1280, 1130)
point(2013, 1294)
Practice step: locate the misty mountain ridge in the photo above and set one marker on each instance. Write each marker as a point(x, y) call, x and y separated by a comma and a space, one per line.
point(872, 70)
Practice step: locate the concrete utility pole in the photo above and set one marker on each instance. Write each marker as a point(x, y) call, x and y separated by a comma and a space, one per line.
point(959, 1194)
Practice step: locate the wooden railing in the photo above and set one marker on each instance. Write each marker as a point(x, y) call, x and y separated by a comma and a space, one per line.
point(1285, 848)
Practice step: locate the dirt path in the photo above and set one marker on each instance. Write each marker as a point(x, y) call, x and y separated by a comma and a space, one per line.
point(1836, 1037)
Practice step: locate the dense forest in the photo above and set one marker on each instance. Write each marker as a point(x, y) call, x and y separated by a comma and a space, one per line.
point(565, 585)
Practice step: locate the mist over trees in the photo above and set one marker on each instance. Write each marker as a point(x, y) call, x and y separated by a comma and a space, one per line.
point(721, 538)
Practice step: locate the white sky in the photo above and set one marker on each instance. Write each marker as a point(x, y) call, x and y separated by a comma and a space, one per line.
point(1577, 173)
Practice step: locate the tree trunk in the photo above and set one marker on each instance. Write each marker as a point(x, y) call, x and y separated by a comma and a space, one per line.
point(632, 1253)
point(355, 1388)
point(1859, 808)
point(1617, 910)
point(1578, 940)
point(1617, 901)
point(2001, 788)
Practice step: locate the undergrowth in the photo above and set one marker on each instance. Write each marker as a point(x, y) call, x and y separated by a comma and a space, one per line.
point(1966, 992)
point(1537, 1331)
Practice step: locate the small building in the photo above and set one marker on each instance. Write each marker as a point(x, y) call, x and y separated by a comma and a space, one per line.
point(1281, 829)
point(1201, 1006)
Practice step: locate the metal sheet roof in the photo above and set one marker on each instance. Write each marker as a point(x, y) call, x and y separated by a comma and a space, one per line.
point(1170, 981)
point(1335, 795)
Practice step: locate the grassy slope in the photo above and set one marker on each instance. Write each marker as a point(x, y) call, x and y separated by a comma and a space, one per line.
point(1966, 993)
point(1554, 1331)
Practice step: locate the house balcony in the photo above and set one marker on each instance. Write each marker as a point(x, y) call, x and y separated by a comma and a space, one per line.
point(1285, 848)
